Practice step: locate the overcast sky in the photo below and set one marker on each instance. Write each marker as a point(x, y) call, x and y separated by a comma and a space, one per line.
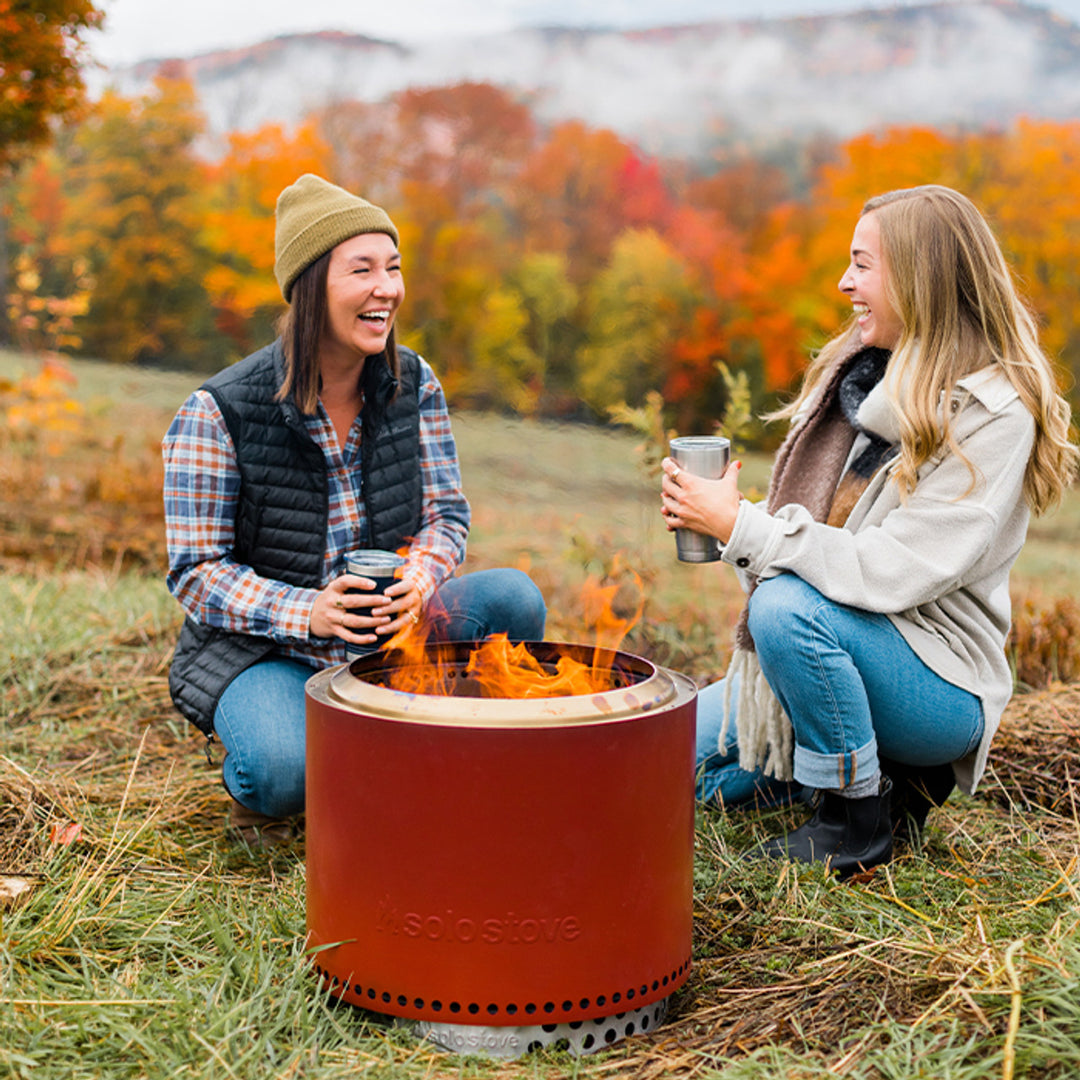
point(141, 29)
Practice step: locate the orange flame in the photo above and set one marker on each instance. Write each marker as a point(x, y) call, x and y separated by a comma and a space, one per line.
point(504, 670)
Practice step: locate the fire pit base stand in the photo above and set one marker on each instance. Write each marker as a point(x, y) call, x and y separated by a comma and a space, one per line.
point(579, 1036)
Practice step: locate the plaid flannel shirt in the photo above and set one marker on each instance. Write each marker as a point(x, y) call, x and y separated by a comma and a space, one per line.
point(202, 483)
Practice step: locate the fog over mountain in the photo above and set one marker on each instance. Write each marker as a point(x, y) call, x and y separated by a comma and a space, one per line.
point(680, 89)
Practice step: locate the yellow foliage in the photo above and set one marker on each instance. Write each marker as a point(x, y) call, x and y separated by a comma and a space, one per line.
point(43, 324)
point(39, 407)
point(648, 421)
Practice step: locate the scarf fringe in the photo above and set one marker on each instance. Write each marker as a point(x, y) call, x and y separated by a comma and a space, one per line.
point(766, 740)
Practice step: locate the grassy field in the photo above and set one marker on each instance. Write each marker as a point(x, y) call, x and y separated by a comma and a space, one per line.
point(137, 941)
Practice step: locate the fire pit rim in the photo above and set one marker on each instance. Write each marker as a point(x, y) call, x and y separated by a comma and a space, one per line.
point(656, 688)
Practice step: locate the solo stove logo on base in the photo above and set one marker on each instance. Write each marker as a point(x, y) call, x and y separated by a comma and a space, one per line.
point(507, 929)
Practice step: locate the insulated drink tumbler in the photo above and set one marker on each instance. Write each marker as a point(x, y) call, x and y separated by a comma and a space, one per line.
point(702, 455)
point(380, 567)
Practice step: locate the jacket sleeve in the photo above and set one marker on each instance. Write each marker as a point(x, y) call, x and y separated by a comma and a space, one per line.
point(930, 544)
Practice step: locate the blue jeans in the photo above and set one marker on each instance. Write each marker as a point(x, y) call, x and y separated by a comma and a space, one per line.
point(851, 686)
point(260, 718)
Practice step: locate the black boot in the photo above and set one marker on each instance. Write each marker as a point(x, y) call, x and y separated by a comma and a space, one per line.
point(916, 788)
point(848, 835)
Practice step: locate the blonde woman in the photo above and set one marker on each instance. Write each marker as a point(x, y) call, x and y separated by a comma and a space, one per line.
point(870, 660)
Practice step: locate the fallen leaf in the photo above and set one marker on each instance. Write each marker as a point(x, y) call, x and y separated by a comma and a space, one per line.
point(11, 888)
point(861, 877)
point(65, 834)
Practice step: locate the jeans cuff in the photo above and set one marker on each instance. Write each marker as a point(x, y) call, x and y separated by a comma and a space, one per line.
point(835, 771)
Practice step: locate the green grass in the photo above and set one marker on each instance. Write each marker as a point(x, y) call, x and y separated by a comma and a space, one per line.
point(154, 947)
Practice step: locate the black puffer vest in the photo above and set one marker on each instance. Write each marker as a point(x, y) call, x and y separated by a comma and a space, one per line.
point(281, 515)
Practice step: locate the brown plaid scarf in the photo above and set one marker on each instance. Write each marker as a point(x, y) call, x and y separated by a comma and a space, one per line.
point(809, 470)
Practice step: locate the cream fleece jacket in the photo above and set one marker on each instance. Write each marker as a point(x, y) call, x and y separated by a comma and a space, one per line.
point(937, 564)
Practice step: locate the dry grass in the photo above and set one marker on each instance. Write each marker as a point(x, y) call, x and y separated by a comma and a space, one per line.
point(1044, 643)
point(151, 946)
point(794, 974)
point(1035, 758)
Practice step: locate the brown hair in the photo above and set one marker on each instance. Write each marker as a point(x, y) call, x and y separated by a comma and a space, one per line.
point(301, 329)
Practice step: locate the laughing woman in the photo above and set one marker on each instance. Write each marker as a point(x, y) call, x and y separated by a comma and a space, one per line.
point(870, 662)
point(330, 439)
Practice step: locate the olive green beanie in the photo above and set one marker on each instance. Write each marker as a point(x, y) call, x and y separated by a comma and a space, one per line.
point(314, 216)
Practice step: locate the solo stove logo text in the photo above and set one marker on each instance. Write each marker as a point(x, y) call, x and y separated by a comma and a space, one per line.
point(508, 929)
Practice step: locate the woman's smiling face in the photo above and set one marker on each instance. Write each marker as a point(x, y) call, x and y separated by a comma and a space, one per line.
point(864, 284)
point(364, 289)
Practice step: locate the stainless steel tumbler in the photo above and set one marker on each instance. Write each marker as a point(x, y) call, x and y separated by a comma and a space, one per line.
point(381, 567)
point(702, 455)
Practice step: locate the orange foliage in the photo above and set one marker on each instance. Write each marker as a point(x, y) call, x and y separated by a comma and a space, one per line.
point(462, 140)
point(714, 256)
point(135, 213)
point(40, 207)
point(779, 313)
point(1033, 199)
point(239, 227)
point(39, 408)
point(533, 257)
point(458, 144)
point(744, 193)
point(580, 190)
point(40, 72)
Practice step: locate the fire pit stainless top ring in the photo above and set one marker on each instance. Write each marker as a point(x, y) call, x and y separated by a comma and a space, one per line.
point(638, 686)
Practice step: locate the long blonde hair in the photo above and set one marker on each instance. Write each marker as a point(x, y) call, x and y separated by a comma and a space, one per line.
point(947, 279)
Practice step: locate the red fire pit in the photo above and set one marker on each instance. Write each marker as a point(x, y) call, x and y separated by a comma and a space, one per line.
point(500, 862)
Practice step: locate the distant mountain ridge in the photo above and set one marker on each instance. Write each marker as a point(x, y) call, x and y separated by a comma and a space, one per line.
point(678, 89)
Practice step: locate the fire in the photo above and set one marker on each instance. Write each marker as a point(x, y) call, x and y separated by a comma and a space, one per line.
point(505, 670)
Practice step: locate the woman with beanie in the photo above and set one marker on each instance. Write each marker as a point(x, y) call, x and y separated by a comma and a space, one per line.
point(331, 439)
point(870, 660)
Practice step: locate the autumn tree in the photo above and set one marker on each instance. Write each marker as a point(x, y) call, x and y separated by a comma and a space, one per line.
point(37, 221)
point(467, 141)
point(581, 189)
point(742, 192)
point(796, 250)
point(637, 307)
point(503, 370)
point(714, 256)
point(137, 197)
point(1031, 196)
point(453, 268)
point(549, 299)
point(243, 187)
point(41, 52)
point(361, 138)
point(459, 145)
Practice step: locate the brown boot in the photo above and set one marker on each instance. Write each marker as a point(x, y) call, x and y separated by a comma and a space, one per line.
point(257, 830)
